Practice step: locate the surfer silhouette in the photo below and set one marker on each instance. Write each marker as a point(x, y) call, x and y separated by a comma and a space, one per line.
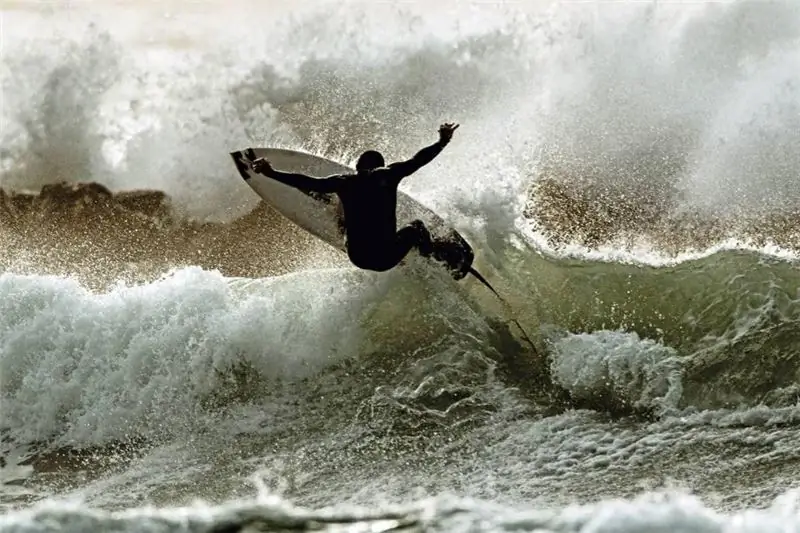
point(369, 204)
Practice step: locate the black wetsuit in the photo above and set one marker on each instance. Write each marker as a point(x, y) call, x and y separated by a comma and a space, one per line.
point(369, 204)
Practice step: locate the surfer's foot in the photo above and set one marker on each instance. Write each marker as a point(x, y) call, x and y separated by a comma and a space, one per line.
point(424, 242)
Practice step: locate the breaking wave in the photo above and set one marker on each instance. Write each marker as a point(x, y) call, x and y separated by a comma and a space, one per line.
point(628, 176)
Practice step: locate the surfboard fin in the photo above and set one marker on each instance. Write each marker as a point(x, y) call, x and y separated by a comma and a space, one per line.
point(480, 278)
point(477, 275)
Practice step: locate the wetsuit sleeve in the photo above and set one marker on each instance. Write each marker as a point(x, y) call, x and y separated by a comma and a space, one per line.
point(401, 169)
point(307, 183)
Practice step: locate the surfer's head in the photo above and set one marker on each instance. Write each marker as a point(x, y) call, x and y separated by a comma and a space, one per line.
point(370, 160)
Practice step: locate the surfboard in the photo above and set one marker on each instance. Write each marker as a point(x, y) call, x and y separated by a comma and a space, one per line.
point(319, 214)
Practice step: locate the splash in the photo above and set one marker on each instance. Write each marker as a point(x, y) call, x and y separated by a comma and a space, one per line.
point(636, 124)
point(652, 128)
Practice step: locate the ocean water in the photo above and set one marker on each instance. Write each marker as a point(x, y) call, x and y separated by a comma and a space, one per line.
point(627, 172)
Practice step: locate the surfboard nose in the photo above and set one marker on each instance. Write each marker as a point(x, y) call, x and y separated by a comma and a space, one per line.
point(241, 165)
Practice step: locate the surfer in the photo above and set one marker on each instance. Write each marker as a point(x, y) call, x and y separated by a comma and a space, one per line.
point(369, 203)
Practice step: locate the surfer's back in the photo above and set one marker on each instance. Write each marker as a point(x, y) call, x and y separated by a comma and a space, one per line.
point(369, 204)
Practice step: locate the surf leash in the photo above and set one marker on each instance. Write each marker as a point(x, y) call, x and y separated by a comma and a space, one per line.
point(477, 275)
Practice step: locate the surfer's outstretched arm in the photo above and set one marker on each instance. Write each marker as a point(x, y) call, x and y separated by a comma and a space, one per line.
point(305, 183)
point(298, 181)
point(402, 169)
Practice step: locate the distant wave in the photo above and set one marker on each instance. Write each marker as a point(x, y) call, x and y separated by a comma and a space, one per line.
point(101, 237)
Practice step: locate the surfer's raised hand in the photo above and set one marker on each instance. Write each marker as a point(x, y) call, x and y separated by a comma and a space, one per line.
point(262, 166)
point(446, 131)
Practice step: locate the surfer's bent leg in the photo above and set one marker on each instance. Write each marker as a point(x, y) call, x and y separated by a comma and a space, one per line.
point(415, 235)
point(380, 256)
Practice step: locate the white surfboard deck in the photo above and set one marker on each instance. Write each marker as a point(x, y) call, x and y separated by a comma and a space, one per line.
point(318, 213)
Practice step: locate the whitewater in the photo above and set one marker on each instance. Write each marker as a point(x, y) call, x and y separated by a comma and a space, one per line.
point(174, 356)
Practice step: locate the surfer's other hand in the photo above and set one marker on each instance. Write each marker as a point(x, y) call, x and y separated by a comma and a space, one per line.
point(262, 166)
point(446, 131)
